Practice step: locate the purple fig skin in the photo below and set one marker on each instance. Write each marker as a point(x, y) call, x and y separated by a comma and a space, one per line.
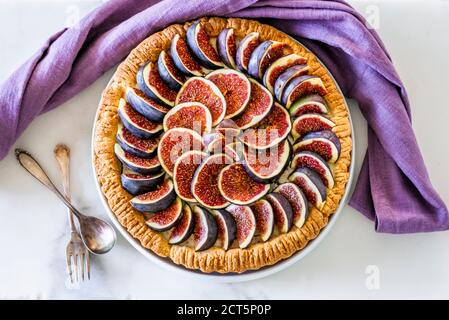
point(179, 63)
point(195, 47)
point(187, 212)
point(253, 207)
point(315, 179)
point(134, 128)
point(291, 87)
point(283, 189)
point(129, 164)
point(284, 63)
point(203, 217)
point(250, 221)
point(229, 222)
point(223, 50)
point(328, 180)
point(252, 37)
point(327, 137)
point(178, 206)
point(287, 211)
point(314, 189)
point(313, 99)
point(128, 147)
point(208, 138)
point(285, 77)
point(142, 184)
point(165, 73)
point(321, 123)
point(151, 91)
point(144, 107)
point(143, 86)
point(257, 178)
point(256, 57)
point(157, 204)
point(325, 134)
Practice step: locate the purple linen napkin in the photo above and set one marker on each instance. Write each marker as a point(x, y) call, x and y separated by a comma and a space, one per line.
point(393, 188)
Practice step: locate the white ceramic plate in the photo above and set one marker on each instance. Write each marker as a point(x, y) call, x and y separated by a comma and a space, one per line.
point(166, 263)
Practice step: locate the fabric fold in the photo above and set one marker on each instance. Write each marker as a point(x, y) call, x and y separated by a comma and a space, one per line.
point(393, 187)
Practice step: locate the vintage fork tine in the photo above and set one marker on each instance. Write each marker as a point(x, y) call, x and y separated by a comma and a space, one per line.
point(69, 266)
point(75, 247)
point(75, 257)
point(82, 262)
point(88, 265)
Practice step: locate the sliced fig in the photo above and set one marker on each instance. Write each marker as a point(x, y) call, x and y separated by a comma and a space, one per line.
point(269, 132)
point(137, 164)
point(144, 148)
point(213, 138)
point(283, 212)
point(245, 223)
point(184, 171)
point(183, 59)
point(259, 106)
point(168, 72)
point(263, 212)
point(137, 124)
point(205, 181)
point(217, 145)
point(300, 87)
point(229, 129)
point(263, 56)
point(201, 90)
point(151, 83)
point(233, 153)
point(226, 227)
point(310, 122)
point(136, 183)
point(159, 199)
point(190, 115)
point(245, 49)
point(235, 88)
point(297, 200)
point(226, 46)
point(285, 77)
point(205, 231)
point(325, 143)
point(235, 150)
point(313, 103)
point(145, 106)
point(238, 187)
point(174, 143)
point(278, 67)
point(310, 183)
point(199, 43)
point(184, 228)
point(313, 161)
point(166, 219)
point(268, 164)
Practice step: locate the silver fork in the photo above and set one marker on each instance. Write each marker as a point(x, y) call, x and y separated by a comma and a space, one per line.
point(76, 251)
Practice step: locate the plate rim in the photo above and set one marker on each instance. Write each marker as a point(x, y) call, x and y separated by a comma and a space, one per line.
point(165, 263)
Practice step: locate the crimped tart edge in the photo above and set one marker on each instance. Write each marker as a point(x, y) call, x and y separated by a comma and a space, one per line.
point(108, 168)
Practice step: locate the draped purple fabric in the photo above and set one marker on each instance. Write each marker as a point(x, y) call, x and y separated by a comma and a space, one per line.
point(393, 188)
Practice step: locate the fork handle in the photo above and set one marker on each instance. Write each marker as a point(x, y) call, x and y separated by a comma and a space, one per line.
point(33, 167)
point(62, 156)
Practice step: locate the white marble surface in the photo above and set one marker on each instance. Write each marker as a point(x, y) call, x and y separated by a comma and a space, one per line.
point(33, 224)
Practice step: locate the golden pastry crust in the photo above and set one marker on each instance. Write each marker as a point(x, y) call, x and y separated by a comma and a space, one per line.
point(108, 168)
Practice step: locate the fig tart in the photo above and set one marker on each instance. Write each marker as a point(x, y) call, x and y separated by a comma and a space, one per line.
point(222, 144)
